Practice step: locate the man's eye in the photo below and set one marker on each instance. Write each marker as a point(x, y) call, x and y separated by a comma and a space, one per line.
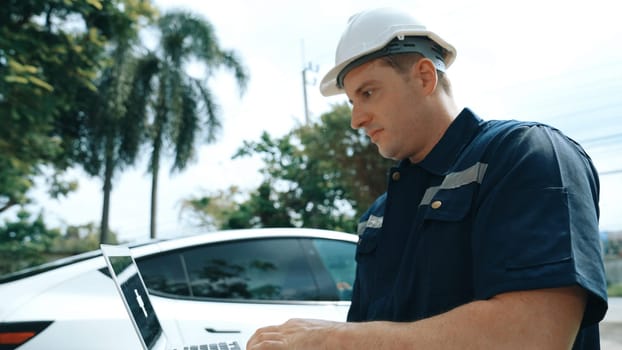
point(367, 93)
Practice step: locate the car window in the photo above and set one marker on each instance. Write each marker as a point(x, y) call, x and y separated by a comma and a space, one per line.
point(255, 269)
point(260, 269)
point(337, 260)
point(164, 273)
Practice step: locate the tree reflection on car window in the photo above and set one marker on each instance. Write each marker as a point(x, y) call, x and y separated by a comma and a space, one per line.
point(165, 274)
point(255, 269)
point(259, 269)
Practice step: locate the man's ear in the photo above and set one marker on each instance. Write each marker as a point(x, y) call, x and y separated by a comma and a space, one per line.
point(425, 71)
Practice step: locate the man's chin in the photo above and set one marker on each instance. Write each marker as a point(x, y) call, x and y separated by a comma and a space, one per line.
point(387, 154)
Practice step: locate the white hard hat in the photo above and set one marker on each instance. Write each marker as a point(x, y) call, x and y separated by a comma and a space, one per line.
point(380, 32)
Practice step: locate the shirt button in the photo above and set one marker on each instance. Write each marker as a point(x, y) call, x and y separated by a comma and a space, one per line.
point(436, 204)
point(396, 176)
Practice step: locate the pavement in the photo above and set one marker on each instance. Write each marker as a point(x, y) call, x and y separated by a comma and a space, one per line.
point(611, 326)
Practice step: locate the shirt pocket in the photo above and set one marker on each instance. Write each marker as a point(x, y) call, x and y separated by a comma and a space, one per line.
point(445, 247)
point(367, 244)
point(450, 205)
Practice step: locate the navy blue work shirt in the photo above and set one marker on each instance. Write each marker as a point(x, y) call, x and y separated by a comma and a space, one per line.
point(496, 206)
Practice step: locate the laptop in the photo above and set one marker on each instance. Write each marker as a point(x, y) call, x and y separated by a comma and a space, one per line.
point(131, 287)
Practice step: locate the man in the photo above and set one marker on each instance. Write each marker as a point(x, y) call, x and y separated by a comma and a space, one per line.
point(487, 236)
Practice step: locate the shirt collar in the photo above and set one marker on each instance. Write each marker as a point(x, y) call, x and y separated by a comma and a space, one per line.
point(446, 151)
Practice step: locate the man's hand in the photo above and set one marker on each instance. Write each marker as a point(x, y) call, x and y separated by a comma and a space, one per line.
point(295, 334)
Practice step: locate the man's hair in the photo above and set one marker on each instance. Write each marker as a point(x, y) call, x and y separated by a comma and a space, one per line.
point(403, 62)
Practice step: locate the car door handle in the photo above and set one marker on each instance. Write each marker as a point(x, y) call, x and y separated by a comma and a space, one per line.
point(220, 331)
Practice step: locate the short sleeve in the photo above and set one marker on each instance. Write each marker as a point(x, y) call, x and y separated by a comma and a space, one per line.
point(537, 218)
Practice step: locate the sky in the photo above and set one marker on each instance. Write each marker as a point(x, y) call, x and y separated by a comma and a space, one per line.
point(554, 61)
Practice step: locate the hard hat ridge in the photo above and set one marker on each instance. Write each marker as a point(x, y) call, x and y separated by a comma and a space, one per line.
point(410, 44)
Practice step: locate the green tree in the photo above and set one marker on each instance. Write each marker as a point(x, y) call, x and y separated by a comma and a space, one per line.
point(232, 209)
point(77, 239)
point(323, 175)
point(24, 241)
point(182, 106)
point(345, 159)
point(50, 54)
point(211, 212)
point(114, 128)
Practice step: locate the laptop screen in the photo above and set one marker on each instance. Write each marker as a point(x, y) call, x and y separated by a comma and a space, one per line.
point(136, 297)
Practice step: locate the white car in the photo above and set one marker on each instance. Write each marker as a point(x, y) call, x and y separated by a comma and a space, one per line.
point(214, 285)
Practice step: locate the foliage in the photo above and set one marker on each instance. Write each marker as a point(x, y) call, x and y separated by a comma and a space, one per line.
point(27, 242)
point(345, 159)
point(23, 242)
point(615, 290)
point(181, 107)
point(51, 52)
point(322, 175)
point(213, 211)
point(114, 128)
point(78, 239)
point(612, 247)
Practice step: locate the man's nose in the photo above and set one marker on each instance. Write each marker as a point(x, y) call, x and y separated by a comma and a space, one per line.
point(359, 117)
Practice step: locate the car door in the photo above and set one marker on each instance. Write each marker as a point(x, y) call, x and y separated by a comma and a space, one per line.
point(229, 289)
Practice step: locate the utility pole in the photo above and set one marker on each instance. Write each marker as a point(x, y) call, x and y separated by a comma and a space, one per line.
point(308, 68)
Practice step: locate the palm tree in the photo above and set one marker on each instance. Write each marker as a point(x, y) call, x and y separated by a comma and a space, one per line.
point(113, 132)
point(182, 107)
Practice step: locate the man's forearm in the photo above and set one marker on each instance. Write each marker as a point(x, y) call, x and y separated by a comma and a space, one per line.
point(541, 319)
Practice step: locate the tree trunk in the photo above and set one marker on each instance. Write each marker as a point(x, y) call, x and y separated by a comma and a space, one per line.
point(155, 171)
point(154, 193)
point(107, 188)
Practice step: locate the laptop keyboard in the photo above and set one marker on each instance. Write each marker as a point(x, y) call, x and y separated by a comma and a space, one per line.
point(219, 346)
